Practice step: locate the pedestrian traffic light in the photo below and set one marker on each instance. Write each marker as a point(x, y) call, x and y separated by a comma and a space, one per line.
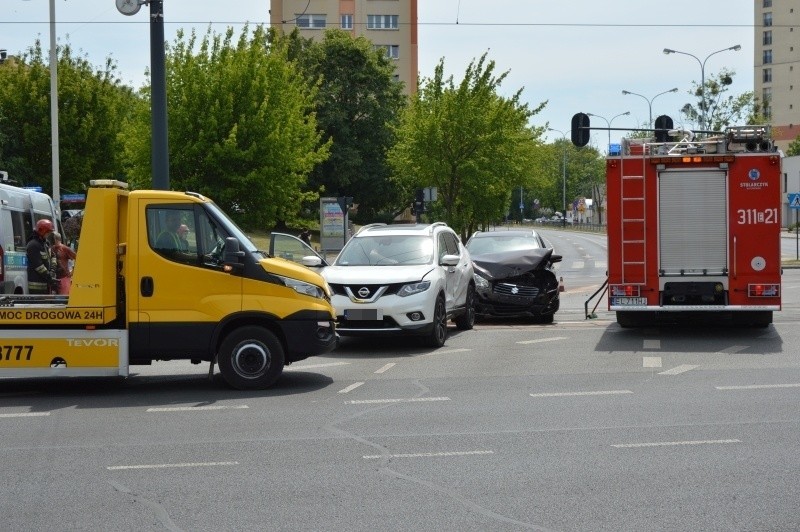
point(580, 129)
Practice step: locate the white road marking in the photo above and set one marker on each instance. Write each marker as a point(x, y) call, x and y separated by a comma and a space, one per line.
point(542, 340)
point(447, 352)
point(651, 362)
point(351, 387)
point(758, 386)
point(166, 466)
point(26, 414)
point(196, 408)
point(426, 455)
point(577, 264)
point(313, 366)
point(651, 344)
point(380, 401)
point(679, 369)
point(672, 443)
point(732, 349)
point(569, 394)
point(386, 368)
point(600, 264)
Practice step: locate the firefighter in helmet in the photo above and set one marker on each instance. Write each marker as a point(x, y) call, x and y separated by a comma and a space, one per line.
point(41, 260)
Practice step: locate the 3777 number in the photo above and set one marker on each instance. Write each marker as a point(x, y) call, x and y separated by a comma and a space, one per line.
point(755, 216)
point(16, 352)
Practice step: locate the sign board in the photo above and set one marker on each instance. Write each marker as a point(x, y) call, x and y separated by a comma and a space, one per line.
point(794, 200)
point(333, 224)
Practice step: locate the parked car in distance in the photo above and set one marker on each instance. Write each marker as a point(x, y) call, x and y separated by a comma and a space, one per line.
point(402, 280)
point(514, 275)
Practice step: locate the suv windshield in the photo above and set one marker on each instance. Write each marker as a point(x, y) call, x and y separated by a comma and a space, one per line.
point(387, 250)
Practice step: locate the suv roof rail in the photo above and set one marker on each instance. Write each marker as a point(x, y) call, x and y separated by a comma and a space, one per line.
point(370, 226)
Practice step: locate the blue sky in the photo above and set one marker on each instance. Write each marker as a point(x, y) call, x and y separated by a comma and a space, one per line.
point(577, 54)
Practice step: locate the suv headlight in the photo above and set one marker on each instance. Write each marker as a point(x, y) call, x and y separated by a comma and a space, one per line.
point(480, 282)
point(302, 287)
point(413, 288)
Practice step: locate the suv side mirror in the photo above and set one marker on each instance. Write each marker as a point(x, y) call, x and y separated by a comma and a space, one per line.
point(450, 260)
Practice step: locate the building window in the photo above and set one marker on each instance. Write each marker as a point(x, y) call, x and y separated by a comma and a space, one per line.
point(392, 51)
point(347, 22)
point(767, 3)
point(767, 19)
point(766, 75)
point(767, 57)
point(313, 22)
point(383, 22)
point(767, 38)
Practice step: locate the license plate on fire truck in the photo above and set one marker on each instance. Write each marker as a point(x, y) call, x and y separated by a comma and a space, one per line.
point(629, 301)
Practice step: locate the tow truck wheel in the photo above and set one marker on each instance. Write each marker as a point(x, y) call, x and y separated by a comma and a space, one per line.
point(251, 358)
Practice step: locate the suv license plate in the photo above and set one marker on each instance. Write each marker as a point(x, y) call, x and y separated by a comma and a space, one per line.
point(363, 314)
point(629, 301)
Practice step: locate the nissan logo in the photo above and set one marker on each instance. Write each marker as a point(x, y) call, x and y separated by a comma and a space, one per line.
point(363, 292)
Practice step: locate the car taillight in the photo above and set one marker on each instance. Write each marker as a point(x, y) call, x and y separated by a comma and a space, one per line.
point(764, 290)
point(625, 290)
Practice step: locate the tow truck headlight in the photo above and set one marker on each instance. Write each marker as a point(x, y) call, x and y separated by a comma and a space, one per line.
point(480, 282)
point(302, 287)
point(413, 288)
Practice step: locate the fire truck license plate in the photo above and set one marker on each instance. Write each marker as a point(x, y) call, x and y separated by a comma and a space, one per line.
point(629, 301)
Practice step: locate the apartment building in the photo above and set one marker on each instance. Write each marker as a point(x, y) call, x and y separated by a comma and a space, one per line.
point(777, 66)
point(389, 24)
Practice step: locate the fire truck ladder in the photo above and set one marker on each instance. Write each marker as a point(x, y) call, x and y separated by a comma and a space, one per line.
point(633, 252)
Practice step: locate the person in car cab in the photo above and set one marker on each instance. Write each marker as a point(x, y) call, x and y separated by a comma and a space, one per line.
point(183, 235)
point(41, 260)
point(169, 239)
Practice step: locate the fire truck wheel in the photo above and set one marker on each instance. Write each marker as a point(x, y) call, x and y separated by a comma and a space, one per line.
point(753, 319)
point(250, 358)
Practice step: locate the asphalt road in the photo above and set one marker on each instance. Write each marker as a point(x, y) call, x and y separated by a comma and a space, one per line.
point(575, 426)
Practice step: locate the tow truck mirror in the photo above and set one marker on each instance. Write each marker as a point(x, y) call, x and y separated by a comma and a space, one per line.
point(555, 258)
point(231, 255)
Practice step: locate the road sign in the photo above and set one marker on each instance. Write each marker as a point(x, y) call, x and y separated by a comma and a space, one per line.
point(794, 200)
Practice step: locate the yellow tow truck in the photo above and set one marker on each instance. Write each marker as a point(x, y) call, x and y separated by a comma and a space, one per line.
point(140, 294)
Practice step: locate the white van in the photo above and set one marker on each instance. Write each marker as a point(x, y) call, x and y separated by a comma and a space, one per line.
point(20, 209)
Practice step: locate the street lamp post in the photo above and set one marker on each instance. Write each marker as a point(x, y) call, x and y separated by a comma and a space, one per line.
point(702, 63)
point(649, 101)
point(563, 176)
point(609, 122)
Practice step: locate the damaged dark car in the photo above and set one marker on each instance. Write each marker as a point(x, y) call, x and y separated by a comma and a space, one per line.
point(514, 275)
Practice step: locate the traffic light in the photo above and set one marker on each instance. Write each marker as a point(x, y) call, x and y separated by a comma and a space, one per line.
point(580, 129)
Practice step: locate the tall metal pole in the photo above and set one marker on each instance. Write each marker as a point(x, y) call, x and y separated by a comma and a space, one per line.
point(735, 48)
point(649, 101)
point(563, 175)
point(608, 122)
point(56, 165)
point(159, 146)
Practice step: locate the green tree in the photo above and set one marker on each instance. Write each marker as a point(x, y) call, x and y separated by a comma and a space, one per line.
point(794, 147)
point(357, 105)
point(472, 144)
point(721, 109)
point(92, 105)
point(242, 127)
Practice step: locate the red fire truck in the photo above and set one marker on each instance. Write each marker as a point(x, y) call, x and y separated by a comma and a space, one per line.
point(694, 228)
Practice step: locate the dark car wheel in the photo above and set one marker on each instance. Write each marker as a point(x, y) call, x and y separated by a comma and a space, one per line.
point(466, 321)
point(438, 332)
point(547, 318)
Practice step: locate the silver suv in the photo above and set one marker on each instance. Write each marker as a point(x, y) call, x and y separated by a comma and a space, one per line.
point(402, 279)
